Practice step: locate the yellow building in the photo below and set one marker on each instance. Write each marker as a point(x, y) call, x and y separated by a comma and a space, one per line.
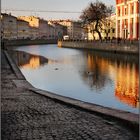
point(107, 32)
point(44, 29)
point(33, 21)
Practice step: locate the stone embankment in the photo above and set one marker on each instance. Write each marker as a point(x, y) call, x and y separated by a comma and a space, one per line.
point(127, 47)
point(27, 115)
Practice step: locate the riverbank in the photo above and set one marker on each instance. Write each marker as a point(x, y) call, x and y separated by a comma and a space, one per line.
point(27, 115)
point(113, 47)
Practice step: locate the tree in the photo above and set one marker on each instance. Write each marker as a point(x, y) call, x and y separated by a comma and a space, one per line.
point(96, 13)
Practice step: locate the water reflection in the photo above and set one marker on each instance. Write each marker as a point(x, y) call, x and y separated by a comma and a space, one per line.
point(124, 74)
point(96, 73)
point(29, 61)
point(127, 84)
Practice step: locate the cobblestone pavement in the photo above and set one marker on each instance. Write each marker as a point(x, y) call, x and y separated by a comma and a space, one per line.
point(29, 116)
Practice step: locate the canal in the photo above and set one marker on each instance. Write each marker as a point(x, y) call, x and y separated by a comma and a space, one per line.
point(110, 80)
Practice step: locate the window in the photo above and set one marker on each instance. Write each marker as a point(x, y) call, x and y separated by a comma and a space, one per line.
point(132, 23)
point(113, 30)
point(118, 12)
point(132, 9)
point(125, 11)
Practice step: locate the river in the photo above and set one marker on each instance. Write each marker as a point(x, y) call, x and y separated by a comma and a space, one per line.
point(110, 80)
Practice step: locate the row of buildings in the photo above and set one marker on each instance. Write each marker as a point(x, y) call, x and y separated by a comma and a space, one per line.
point(32, 27)
point(24, 27)
point(123, 24)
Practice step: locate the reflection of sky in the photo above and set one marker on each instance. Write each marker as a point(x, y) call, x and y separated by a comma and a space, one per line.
point(68, 80)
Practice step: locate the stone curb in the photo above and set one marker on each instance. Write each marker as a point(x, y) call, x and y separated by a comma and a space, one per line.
point(130, 119)
point(14, 67)
point(127, 118)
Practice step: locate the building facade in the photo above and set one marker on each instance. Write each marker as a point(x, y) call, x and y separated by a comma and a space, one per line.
point(23, 29)
point(8, 26)
point(34, 34)
point(74, 28)
point(33, 21)
point(108, 29)
point(45, 30)
point(127, 19)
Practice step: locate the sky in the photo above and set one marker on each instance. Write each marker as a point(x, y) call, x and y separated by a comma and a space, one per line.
point(49, 5)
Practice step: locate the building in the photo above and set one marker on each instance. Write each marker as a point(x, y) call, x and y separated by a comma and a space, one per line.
point(45, 30)
point(60, 30)
point(74, 28)
point(51, 34)
point(8, 26)
point(34, 34)
point(33, 21)
point(108, 29)
point(76, 31)
point(23, 29)
point(127, 19)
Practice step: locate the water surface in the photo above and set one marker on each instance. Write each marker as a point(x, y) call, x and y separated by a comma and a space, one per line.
point(105, 79)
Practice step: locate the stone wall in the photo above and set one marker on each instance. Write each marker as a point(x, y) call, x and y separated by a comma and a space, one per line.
point(102, 46)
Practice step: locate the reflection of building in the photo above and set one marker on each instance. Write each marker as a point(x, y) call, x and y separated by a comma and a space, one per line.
point(127, 19)
point(125, 75)
point(26, 60)
point(126, 88)
point(9, 25)
point(33, 63)
point(96, 73)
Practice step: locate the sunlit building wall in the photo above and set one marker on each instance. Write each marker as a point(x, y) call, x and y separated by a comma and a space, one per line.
point(108, 29)
point(9, 26)
point(41, 24)
point(33, 21)
point(127, 19)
